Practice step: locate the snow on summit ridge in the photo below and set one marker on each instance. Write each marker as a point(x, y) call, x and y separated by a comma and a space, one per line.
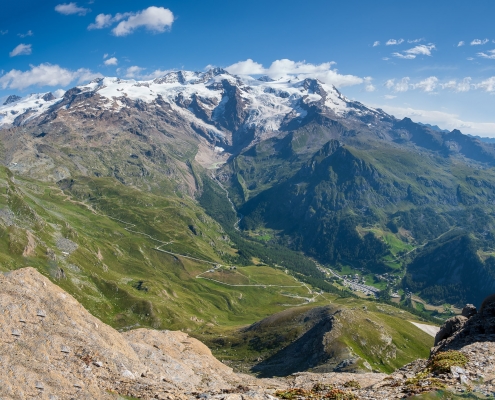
point(215, 102)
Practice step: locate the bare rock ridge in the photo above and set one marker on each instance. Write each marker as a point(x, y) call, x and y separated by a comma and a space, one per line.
point(471, 326)
point(52, 348)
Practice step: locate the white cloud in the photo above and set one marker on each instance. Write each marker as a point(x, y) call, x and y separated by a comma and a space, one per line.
point(389, 97)
point(393, 42)
point(415, 40)
point(134, 72)
point(490, 54)
point(385, 58)
point(421, 49)
point(404, 56)
point(368, 86)
point(488, 85)
point(106, 20)
point(111, 61)
point(58, 93)
point(442, 119)
point(390, 83)
point(71, 8)
point(478, 42)
point(4, 32)
point(21, 50)
point(376, 43)
point(154, 19)
point(462, 86)
point(427, 85)
point(248, 67)
point(155, 74)
point(105, 55)
point(28, 33)
point(461, 43)
point(285, 68)
point(44, 75)
point(400, 86)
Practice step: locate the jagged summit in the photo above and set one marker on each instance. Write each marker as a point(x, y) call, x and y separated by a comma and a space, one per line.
point(12, 99)
point(220, 106)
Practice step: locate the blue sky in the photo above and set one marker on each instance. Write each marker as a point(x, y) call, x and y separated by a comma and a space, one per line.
point(422, 72)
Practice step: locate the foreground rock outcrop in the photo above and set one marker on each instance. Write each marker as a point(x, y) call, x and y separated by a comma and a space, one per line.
point(52, 348)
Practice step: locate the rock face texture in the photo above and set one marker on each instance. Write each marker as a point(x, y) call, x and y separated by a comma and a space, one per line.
point(472, 326)
point(52, 348)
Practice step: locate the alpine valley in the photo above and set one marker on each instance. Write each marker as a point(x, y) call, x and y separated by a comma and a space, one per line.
point(265, 217)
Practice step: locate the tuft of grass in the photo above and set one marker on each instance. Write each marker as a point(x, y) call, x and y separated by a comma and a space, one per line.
point(442, 362)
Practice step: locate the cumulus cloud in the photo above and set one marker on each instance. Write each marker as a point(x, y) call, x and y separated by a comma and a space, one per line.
point(154, 19)
point(427, 85)
point(488, 85)
point(490, 54)
point(461, 43)
point(21, 50)
point(106, 20)
point(368, 86)
point(28, 33)
point(71, 8)
point(248, 67)
point(45, 75)
point(462, 86)
point(393, 42)
point(133, 72)
point(376, 43)
point(478, 42)
point(111, 61)
point(285, 68)
point(415, 51)
point(58, 93)
point(398, 86)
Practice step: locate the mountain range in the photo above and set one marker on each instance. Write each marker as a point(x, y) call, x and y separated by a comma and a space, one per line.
point(202, 200)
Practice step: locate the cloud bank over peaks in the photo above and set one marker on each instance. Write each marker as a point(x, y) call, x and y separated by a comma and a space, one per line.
point(71, 9)
point(153, 19)
point(285, 68)
point(431, 83)
point(45, 75)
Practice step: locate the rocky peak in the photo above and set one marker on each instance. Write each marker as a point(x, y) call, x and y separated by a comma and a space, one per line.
point(12, 99)
point(472, 326)
point(48, 97)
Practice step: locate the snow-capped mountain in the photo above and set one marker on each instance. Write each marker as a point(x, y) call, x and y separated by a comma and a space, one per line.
point(226, 109)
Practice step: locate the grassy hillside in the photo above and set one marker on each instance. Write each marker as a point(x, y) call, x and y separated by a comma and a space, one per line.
point(135, 258)
point(103, 250)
